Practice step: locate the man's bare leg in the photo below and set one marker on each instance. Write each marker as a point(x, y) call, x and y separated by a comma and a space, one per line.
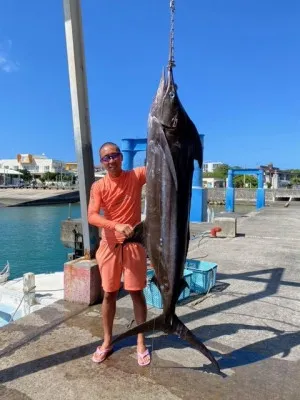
point(108, 316)
point(140, 313)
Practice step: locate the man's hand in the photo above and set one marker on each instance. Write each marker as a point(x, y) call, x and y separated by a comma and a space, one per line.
point(125, 229)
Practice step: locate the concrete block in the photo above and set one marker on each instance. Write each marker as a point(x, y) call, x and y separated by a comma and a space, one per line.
point(29, 291)
point(29, 282)
point(67, 231)
point(82, 282)
point(228, 226)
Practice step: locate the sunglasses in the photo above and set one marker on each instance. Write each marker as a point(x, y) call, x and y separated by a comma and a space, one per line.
point(109, 157)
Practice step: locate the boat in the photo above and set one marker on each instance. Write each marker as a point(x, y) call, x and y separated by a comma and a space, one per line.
point(4, 274)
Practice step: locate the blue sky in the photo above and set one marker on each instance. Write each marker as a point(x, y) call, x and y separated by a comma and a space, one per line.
point(237, 70)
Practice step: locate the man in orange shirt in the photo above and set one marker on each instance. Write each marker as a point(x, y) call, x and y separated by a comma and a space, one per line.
point(118, 194)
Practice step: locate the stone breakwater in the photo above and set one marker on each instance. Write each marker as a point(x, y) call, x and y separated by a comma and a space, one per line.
point(36, 197)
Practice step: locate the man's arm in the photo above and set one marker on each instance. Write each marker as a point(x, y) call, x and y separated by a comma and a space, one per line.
point(141, 174)
point(94, 218)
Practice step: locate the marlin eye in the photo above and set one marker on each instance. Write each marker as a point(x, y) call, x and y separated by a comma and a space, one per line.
point(172, 95)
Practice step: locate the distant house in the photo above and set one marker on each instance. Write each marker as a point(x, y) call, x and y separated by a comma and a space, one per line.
point(213, 183)
point(71, 166)
point(274, 177)
point(211, 166)
point(37, 165)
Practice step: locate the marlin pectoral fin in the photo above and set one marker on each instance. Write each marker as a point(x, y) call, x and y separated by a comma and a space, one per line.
point(183, 285)
point(155, 281)
point(155, 324)
point(138, 235)
point(166, 149)
point(184, 333)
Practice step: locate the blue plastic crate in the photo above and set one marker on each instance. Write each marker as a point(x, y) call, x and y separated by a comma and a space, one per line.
point(187, 275)
point(204, 275)
point(153, 296)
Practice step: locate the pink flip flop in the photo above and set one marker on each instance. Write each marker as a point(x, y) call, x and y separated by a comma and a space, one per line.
point(101, 354)
point(141, 358)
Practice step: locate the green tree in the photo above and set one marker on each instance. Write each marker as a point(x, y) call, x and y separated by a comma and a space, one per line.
point(67, 177)
point(26, 175)
point(221, 171)
point(208, 175)
point(50, 176)
point(295, 180)
point(249, 180)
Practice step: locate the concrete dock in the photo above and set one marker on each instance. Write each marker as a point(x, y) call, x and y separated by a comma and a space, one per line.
point(250, 321)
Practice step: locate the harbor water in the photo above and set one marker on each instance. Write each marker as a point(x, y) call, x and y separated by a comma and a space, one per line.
point(30, 238)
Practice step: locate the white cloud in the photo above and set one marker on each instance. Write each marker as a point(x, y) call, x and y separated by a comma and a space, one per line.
point(7, 64)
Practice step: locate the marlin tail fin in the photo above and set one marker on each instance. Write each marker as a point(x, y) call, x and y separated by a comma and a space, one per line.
point(155, 324)
point(184, 333)
point(175, 327)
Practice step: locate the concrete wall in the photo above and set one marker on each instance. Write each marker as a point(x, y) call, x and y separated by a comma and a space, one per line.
point(218, 194)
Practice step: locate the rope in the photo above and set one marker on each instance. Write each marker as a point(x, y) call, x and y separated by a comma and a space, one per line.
point(12, 316)
point(172, 34)
point(202, 236)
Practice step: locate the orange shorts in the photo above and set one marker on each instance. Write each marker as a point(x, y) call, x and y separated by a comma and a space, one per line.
point(129, 260)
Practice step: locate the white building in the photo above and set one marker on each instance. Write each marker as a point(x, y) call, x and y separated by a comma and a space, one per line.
point(213, 183)
point(9, 177)
point(211, 166)
point(37, 165)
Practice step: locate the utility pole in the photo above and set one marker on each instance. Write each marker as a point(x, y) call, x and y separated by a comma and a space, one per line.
point(81, 118)
point(61, 175)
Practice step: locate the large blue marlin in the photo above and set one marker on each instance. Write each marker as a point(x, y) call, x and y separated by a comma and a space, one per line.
point(172, 146)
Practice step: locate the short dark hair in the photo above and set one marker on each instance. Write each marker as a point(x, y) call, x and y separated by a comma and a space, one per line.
point(110, 144)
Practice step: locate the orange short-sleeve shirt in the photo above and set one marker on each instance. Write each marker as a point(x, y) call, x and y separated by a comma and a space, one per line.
point(120, 200)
